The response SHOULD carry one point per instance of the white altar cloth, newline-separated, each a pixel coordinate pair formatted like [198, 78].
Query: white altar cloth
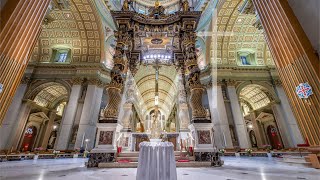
[156, 161]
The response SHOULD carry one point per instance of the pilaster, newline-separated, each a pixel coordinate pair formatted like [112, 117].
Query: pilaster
[11, 120]
[49, 128]
[240, 125]
[68, 118]
[222, 135]
[89, 116]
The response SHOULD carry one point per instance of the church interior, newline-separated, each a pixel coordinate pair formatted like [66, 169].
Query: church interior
[212, 89]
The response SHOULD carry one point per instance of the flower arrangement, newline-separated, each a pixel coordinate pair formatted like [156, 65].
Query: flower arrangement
[55, 153]
[222, 151]
[249, 151]
[267, 147]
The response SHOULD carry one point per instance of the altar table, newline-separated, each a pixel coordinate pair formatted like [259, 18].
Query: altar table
[156, 161]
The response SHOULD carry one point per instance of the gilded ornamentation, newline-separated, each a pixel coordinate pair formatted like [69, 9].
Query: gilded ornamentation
[185, 6]
[77, 81]
[193, 74]
[116, 85]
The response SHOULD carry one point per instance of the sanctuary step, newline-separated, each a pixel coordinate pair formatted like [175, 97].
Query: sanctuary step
[124, 157]
[135, 164]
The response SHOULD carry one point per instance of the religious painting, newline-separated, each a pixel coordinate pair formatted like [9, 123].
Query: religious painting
[204, 137]
[105, 137]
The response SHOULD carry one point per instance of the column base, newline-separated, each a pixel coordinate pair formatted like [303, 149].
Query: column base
[203, 136]
[100, 157]
[212, 157]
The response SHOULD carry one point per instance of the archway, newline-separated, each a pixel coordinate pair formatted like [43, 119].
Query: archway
[255, 98]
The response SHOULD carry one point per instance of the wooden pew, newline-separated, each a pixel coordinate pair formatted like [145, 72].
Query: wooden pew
[314, 157]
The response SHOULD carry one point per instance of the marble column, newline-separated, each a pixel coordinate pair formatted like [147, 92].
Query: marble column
[11, 121]
[295, 60]
[239, 123]
[48, 129]
[15, 136]
[222, 135]
[293, 131]
[89, 116]
[68, 118]
[20, 27]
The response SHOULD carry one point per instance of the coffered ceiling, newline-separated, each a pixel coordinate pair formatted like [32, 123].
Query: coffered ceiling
[244, 36]
[73, 25]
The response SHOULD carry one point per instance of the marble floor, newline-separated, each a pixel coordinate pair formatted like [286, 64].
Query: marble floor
[254, 168]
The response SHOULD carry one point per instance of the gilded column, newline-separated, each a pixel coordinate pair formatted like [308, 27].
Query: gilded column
[111, 111]
[295, 60]
[20, 27]
[193, 76]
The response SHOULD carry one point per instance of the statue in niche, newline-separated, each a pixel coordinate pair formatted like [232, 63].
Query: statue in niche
[244, 60]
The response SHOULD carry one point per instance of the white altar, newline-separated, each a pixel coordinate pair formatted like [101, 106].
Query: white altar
[156, 161]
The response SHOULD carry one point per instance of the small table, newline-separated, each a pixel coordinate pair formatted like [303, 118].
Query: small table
[156, 161]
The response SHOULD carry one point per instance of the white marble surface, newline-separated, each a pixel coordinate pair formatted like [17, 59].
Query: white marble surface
[234, 169]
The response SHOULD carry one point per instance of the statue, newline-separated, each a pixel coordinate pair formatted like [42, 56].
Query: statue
[125, 6]
[156, 11]
[185, 6]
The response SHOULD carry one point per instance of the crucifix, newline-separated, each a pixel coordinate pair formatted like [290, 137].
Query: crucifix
[156, 129]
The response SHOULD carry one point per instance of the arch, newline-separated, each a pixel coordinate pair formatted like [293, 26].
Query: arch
[256, 95]
[268, 88]
[37, 86]
[48, 94]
